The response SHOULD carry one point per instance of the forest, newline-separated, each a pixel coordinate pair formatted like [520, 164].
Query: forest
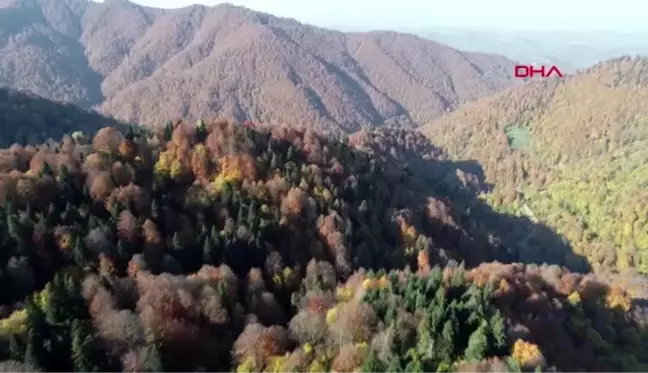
[222, 247]
[569, 153]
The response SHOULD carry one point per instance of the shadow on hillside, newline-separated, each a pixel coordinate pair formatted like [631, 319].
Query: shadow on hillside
[30, 119]
[591, 334]
[483, 234]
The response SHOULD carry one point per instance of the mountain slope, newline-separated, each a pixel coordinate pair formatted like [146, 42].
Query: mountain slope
[569, 152]
[29, 119]
[201, 61]
[218, 247]
[40, 52]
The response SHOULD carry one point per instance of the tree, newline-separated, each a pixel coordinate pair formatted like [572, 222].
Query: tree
[373, 364]
[81, 350]
[16, 347]
[477, 344]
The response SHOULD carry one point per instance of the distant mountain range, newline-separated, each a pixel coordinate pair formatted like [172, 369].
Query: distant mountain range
[150, 65]
[568, 50]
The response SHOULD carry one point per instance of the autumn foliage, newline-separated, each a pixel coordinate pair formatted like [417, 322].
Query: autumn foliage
[218, 247]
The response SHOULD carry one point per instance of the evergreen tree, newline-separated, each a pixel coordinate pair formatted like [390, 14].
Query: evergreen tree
[477, 344]
[497, 326]
[63, 174]
[55, 309]
[81, 349]
[395, 364]
[168, 131]
[372, 364]
[154, 362]
[46, 170]
[16, 348]
[80, 253]
[446, 347]
[34, 352]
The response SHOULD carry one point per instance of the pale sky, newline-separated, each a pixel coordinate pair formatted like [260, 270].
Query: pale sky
[572, 15]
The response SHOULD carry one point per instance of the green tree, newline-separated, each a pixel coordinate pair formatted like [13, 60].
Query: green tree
[477, 344]
[81, 349]
[16, 348]
[372, 363]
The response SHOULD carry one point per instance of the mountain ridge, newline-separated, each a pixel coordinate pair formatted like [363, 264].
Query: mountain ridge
[199, 61]
[571, 151]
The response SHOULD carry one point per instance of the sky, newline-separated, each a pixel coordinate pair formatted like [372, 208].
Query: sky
[567, 15]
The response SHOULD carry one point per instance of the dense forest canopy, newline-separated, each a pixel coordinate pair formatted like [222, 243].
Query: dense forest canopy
[570, 153]
[221, 247]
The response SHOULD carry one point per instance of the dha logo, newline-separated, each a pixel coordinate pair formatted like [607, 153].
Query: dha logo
[529, 71]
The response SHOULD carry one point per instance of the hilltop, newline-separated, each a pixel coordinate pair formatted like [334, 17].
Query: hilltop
[147, 65]
[570, 153]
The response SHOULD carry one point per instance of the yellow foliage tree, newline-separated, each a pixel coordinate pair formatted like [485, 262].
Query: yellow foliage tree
[618, 298]
[527, 353]
[16, 323]
[163, 165]
[275, 364]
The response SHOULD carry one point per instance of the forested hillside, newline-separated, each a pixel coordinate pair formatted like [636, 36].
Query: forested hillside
[147, 65]
[217, 247]
[570, 153]
[29, 119]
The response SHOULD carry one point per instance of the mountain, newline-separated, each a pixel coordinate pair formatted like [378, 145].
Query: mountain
[569, 51]
[148, 65]
[222, 247]
[29, 119]
[568, 152]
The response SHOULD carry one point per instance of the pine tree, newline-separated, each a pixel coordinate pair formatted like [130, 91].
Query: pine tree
[290, 156]
[13, 227]
[168, 131]
[55, 307]
[34, 351]
[207, 251]
[76, 303]
[46, 170]
[176, 242]
[425, 340]
[154, 362]
[63, 174]
[81, 348]
[498, 330]
[155, 210]
[80, 253]
[395, 365]
[16, 348]
[201, 131]
[130, 133]
[446, 347]
[37, 330]
[414, 365]
[123, 251]
[372, 364]
[477, 344]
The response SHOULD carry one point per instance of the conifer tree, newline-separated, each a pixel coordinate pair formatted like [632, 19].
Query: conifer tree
[477, 344]
[372, 364]
[81, 348]
[395, 364]
[80, 253]
[16, 348]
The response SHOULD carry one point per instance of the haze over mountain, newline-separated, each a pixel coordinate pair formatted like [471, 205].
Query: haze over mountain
[148, 65]
[568, 152]
[569, 50]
